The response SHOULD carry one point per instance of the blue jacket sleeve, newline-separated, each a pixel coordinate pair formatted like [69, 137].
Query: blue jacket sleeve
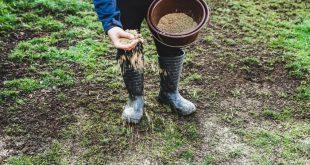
[108, 13]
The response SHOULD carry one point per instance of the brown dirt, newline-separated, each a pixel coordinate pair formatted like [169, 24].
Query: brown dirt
[41, 118]
[176, 23]
[256, 92]
[8, 68]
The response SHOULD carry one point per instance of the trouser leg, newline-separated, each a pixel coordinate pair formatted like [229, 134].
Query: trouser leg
[171, 63]
[132, 15]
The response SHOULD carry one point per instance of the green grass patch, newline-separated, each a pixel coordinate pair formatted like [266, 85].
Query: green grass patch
[296, 40]
[303, 92]
[196, 93]
[86, 51]
[14, 129]
[49, 24]
[209, 159]
[58, 77]
[39, 14]
[23, 84]
[283, 115]
[5, 93]
[172, 143]
[286, 144]
[281, 24]
[56, 154]
[8, 20]
[59, 7]
[251, 61]
[88, 21]
[193, 77]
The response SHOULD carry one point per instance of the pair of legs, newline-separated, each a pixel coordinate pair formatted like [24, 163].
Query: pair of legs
[170, 59]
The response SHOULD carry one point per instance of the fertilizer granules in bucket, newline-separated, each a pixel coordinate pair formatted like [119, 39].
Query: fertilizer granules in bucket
[133, 57]
[176, 23]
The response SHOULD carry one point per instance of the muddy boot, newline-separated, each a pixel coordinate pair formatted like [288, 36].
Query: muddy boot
[134, 83]
[171, 68]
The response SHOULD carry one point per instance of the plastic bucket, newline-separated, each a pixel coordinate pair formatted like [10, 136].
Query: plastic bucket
[197, 9]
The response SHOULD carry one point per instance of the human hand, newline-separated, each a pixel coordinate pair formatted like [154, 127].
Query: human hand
[116, 34]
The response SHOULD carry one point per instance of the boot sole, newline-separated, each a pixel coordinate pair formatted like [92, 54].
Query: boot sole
[174, 109]
[130, 120]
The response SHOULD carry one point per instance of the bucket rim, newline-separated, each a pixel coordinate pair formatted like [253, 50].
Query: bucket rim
[181, 35]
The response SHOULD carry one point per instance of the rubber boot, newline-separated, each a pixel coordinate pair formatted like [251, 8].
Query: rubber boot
[133, 79]
[171, 68]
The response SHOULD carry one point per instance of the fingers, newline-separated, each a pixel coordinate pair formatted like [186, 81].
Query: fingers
[117, 33]
[126, 47]
[124, 34]
[132, 45]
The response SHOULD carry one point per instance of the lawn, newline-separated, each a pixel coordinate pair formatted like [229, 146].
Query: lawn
[62, 94]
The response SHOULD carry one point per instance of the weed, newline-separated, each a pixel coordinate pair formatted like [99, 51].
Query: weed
[62, 97]
[251, 61]
[230, 42]
[196, 93]
[208, 39]
[193, 77]
[236, 93]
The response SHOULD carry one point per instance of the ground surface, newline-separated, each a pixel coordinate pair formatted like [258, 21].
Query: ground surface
[61, 92]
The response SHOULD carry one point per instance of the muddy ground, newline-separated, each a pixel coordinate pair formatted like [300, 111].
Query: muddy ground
[248, 108]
